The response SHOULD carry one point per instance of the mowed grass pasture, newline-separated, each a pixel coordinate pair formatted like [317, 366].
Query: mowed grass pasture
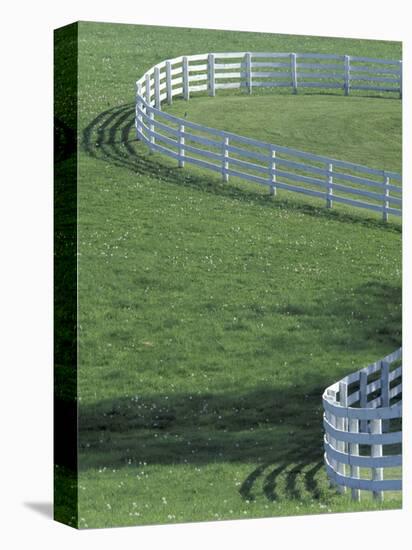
[211, 315]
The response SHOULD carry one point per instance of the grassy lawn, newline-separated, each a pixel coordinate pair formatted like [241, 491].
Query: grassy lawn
[345, 128]
[212, 316]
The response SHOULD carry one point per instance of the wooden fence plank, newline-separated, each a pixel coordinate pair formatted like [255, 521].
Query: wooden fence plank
[229, 85]
[324, 66]
[388, 461]
[370, 78]
[390, 438]
[196, 78]
[374, 70]
[375, 88]
[363, 484]
[198, 88]
[318, 56]
[270, 74]
[248, 165]
[333, 76]
[372, 60]
[270, 64]
[395, 411]
[221, 66]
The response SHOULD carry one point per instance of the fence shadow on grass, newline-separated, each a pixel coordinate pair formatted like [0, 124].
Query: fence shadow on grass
[299, 481]
[276, 431]
[110, 137]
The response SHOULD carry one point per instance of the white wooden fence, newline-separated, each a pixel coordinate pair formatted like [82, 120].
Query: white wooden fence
[363, 437]
[274, 166]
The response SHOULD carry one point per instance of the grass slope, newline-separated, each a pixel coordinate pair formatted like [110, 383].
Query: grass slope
[212, 317]
[364, 130]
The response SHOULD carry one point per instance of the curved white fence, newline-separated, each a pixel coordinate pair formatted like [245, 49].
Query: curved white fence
[363, 411]
[274, 166]
[363, 434]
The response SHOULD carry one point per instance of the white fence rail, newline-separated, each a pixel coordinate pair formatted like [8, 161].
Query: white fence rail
[363, 436]
[274, 166]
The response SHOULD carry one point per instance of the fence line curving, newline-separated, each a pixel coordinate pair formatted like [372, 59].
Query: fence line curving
[363, 435]
[274, 166]
[363, 411]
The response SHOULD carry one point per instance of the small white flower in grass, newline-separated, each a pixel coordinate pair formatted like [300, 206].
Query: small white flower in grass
[164, 500]
[108, 506]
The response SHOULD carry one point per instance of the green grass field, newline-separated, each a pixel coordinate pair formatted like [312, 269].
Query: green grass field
[213, 316]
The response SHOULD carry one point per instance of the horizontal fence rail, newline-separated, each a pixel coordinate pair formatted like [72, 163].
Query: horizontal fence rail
[363, 433]
[274, 166]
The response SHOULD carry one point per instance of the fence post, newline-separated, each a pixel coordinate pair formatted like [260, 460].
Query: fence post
[152, 130]
[272, 186]
[386, 201]
[400, 80]
[211, 74]
[148, 90]
[332, 421]
[342, 424]
[157, 87]
[248, 63]
[169, 82]
[347, 74]
[377, 473]
[151, 114]
[186, 93]
[225, 162]
[294, 73]
[181, 146]
[385, 402]
[329, 189]
[354, 451]
[363, 398]
[138, 121]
